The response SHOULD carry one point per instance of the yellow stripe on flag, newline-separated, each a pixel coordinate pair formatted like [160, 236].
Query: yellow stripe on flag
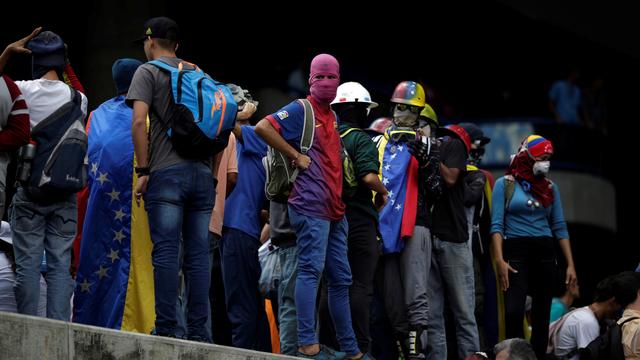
[139, 307]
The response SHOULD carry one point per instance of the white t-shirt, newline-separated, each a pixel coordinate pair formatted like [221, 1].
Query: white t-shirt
[579, 329]
[43, 97]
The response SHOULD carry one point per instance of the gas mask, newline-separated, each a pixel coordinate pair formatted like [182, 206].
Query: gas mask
[475, 156]
[404, 118]
[541, 168]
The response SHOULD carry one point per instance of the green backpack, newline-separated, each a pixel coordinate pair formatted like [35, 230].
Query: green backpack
[279, 170]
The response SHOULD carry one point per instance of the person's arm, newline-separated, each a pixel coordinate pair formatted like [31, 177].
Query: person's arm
[232, 179]
[449, 175]
[247, 111]
[16, 131]
[232, 165]
[17, 47]
[71, 78]
[140, 143]
[265, 130]
[571, 278]
[497, 231]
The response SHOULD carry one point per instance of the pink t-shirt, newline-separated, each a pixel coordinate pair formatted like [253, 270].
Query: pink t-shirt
[228, 164]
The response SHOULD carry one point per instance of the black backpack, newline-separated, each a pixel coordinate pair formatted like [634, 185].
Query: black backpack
[59, 167]
[607, 346]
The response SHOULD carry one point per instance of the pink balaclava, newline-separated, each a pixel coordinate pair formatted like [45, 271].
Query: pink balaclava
[324, 91]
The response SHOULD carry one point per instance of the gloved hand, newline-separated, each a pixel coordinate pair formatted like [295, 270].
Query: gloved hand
[420, 151]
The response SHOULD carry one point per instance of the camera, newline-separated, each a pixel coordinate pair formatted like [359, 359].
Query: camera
[25, 161]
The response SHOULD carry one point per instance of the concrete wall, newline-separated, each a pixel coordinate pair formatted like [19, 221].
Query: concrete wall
[27, 337]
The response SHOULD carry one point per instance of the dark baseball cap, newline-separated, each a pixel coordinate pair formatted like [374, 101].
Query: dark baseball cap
[160, 28]
[475, 133]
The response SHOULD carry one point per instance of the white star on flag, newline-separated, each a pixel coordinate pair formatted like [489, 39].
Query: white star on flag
[393, 156]
[385, 181]
[113, 255]
[102, 178]
[390, 193]
[94, 168]
[115, 195]
[392, 201]
[119, 214]
[387, 167]
[119, 235]
[400, 147]
[398, 207]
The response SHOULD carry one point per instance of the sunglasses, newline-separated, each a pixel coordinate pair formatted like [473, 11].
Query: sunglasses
[412, 108]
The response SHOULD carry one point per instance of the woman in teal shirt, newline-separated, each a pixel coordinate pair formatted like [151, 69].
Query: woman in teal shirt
[527, 219]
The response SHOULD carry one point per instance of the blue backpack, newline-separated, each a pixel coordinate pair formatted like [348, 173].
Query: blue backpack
[203, 109]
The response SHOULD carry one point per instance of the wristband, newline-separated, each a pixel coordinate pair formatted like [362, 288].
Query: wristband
[142, 171]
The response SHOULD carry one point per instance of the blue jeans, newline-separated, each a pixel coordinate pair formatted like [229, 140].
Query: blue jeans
[286, 300]
[245, 305]
[323, 242]
[37, 228]
[178, 201]
[451, 272]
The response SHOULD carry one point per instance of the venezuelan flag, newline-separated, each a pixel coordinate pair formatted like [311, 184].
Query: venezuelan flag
[399, 175]
[114, 283]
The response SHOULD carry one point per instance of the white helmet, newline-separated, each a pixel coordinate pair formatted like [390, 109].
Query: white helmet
[353, 92]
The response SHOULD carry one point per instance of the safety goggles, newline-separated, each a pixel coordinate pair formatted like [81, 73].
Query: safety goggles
[412, 108]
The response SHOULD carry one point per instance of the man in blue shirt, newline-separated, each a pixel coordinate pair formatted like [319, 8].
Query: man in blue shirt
[240, 243]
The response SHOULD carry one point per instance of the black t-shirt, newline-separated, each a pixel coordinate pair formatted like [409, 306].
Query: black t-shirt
[449, 217]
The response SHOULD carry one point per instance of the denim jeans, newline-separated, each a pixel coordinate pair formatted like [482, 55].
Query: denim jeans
[451, 272]
[286, 300]
[245, 305]
[179, 200]
[363, 257]
[322, 242]
[4, 163]
[37, 228]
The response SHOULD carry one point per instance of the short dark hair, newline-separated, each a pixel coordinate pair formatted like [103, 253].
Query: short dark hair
[626, 286]
[519, 349]
[605, 289]
[166, 44]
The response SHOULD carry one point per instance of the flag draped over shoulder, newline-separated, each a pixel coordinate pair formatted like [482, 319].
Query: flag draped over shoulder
[114, 284]
[399, 176]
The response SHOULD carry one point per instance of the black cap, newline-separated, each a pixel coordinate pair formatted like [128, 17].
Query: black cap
[475, 133]
[160, 28]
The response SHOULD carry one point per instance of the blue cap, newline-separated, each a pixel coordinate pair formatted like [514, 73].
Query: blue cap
[122, 72]
[47, 49]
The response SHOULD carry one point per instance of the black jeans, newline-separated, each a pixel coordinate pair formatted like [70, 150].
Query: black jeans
[220, 324]
[363, 257]
[535, 260]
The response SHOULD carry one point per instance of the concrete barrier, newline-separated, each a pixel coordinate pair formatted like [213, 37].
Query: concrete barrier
[32, 338]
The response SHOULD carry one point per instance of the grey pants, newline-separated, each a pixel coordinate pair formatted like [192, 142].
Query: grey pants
[416, 262]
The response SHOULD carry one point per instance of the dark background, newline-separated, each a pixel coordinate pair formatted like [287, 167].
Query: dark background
[479, 60]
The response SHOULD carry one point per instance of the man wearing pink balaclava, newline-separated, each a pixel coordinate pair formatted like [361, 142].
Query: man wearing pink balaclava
[316, 211]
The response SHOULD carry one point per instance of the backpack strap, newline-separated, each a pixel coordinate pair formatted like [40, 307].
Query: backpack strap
[509, 189]
[348, 131]
[308, 129]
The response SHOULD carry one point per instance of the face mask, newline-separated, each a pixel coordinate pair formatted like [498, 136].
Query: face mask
[352, 115]
[541, 168]
[324, 90]
[475, 156]
[405, 118]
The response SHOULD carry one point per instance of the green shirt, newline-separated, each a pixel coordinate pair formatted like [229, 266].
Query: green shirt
[364, 156]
